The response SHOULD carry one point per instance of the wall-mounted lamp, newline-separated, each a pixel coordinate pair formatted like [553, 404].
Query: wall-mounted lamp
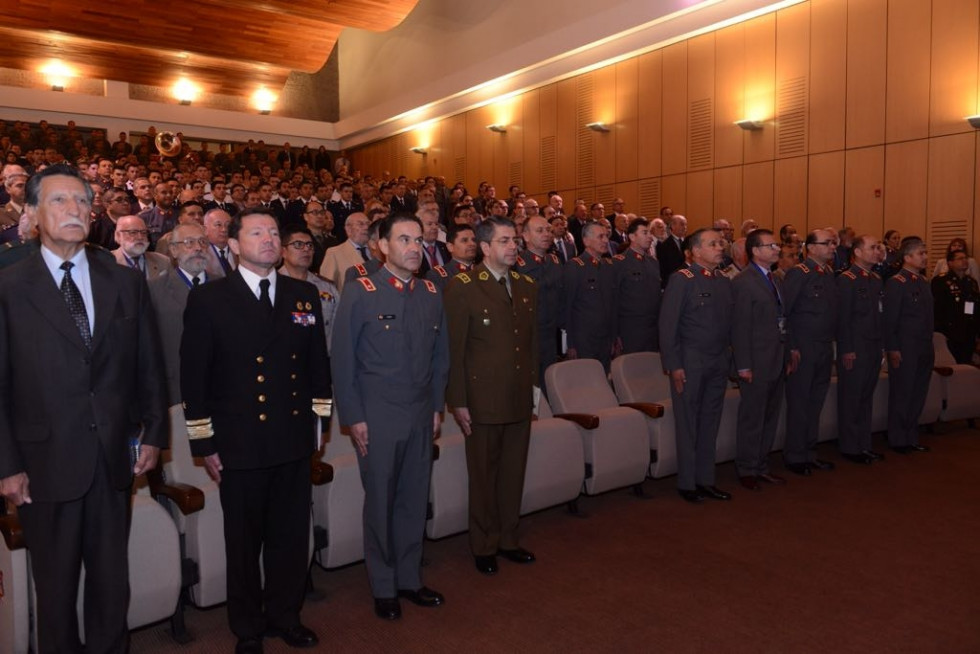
[185, 91]
[57, 74]
[418, 149]
[749, 125]
[263, 99]
[974, 121]
[598, 127]
[499, 129]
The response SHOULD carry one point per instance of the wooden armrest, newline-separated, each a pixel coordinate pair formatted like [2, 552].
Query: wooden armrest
[650, 409]
[13, 535]
[583, 420]
[943, 371]
[320, 472]
[189, 499]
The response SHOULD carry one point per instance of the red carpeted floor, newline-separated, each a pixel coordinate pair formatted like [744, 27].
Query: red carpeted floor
[883, 558]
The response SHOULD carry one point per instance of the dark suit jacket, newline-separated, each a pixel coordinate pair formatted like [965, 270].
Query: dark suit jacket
[758, 346]
[443, 251]
[670, 258]
[271, 366]
[340, 213]
[405, 204]
[62, 402]
[168, 293]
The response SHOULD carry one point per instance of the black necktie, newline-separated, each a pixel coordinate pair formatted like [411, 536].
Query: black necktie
[223, 260]
[76, 306]
[264, 298]
[503, 282]
[197, 281]
[364, 253]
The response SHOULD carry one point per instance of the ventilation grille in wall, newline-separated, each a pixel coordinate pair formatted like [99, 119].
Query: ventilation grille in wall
[459, 170]
[791, 117]
[605, 194]
[515, 174]
[585, 138]
[401, 155]
[700, 135]
[941, 232]
[585, 194]
[548, 163]
[649, 198]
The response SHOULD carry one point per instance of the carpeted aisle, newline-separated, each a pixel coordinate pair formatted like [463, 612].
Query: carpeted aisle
[883, 558]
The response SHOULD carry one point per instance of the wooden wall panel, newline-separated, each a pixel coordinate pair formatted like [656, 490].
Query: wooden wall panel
[760, 72]
[478, 160]
[825, 191]
[757, 187]
[728, 195]
[792, 79]
[529, 133]
[604, 108]
[700, 101]
[828, 72]
[630, 192]
[907, 86]
[951, 178]
[548, 116]
[674, 109]
[566, 131]
[790, 192]
[673, 193]
[729, 94]
[513, 143]
[700, 200]
[866, 47]
[649, 97]
[626, 134]
[953, 91]
[906, 183]
[864, 181]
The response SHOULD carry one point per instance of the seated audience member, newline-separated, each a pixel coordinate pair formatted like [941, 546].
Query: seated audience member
[957, 245]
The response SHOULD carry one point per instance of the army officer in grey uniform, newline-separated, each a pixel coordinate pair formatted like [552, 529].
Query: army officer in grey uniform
[590, 299]
[695, 327]
[390, 368]
[908, 324]
[637, 291]
[546, 270]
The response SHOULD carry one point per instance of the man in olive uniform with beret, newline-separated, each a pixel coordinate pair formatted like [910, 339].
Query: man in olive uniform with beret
[493, 337]
[254, 375]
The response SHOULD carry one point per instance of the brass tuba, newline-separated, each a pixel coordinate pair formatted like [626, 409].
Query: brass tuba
[168, 144]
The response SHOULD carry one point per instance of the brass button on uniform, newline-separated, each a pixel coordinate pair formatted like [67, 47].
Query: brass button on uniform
[260, 378]
[263, 417]
[293, 376]
[292, 356]
[295, 412]
[295, 393]
[259, 359]
[261, 398]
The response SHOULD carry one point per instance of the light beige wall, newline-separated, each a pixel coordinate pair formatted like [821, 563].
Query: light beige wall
[863, 102]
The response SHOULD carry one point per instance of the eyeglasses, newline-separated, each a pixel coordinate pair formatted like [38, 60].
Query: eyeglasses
[770, 246]
[191, 242]
[301, 245]
[132, 233]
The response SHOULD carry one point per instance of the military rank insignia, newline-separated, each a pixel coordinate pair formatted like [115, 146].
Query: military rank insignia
[304, 318]
[326, 297]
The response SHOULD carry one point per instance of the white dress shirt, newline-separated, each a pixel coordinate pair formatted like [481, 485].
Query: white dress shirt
[252, 280]
[79, 275]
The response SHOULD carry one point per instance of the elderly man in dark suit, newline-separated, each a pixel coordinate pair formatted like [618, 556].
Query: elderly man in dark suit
[493, 330]
[81, 380]
[259, 333]
[759, 345]
[670, 251]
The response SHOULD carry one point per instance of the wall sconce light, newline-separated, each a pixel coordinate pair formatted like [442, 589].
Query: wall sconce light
[418, 149]
[974, 121]
[499, 129]
[185, 91]
[749, 125]
[57, 74]
[263, 99]
[598, 127]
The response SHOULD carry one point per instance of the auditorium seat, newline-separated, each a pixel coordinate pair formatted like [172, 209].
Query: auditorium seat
[615, 439]
[639, 377]
[960, 383]
[555, 462]
[15, 599]
[338, 503]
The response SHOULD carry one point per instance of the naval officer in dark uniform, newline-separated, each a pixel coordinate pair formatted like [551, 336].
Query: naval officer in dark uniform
[493, 347]
[858, 350]
[810, 305]
[908, 325]
[546, 270]
[695, 338]
[957, 300]
[254, 375]
[590, 299]
[638, 291]
[390, 367]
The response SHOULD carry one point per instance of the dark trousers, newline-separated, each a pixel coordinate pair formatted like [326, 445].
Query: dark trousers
[908, 386]
[806, 391]
[758, 415]
[395, 475]
[496, 457]
[61, 536]
[855, 394]
[697, 416]
[267, 511]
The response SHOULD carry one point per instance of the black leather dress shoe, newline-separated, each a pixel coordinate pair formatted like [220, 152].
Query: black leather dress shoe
[486, 564]
[901, 449]
[821, 465]
[772, 479]
[517, 555]
[751, 483]
[713, 492]
[862, 458]
[423, 596]
[298, 636]
[918, 448]
[249, 646]
[799, 468]
[691, 496]
[387, 608]
[877, 456]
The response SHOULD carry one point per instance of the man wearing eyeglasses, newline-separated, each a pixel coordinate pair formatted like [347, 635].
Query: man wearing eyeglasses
[134, 239]
[103, 230]
[811, 317]
[320, 223]
[298, 247]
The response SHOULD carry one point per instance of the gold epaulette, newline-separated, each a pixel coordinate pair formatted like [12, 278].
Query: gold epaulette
[322, 408]
[463, 277]
[199, 429]
[529, 279]
[515, 275]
